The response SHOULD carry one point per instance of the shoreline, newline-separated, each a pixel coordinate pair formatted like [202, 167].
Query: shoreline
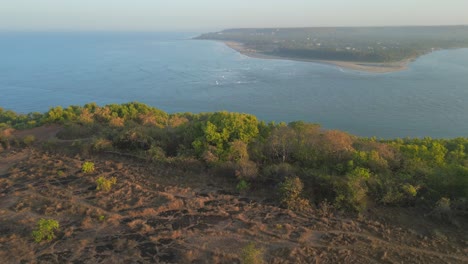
[356, 66]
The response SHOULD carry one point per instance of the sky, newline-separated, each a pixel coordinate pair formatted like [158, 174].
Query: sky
[203, 15]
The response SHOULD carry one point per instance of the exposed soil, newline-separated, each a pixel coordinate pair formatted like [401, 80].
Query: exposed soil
[40, 133]
[160, 215]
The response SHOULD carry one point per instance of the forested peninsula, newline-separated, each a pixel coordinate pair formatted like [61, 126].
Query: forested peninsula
[132, 182]
[374, 49]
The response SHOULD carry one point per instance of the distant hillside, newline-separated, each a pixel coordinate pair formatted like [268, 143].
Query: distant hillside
[351, 44]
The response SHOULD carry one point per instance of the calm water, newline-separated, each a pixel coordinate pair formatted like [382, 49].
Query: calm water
[177, 74]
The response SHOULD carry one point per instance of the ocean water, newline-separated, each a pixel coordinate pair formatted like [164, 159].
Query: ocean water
[176, 74]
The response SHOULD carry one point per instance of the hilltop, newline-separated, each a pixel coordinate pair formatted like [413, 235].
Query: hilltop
[131, 183]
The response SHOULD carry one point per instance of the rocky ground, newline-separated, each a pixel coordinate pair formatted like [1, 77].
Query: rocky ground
[156, 214]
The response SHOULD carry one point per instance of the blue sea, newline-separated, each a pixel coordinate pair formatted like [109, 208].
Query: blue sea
[177, 74]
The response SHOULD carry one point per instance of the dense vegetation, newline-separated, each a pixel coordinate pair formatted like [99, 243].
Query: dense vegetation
[304, 163]
[361, 44]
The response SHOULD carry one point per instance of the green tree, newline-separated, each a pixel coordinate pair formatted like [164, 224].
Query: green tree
[221, 129]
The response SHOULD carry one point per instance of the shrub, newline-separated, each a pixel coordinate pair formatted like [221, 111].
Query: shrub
[209, 155]
[251, 254]
[105, 184]
[246, 169]
[325, 208]
[45, 230]
[442, 208]
[351, 191]
[135, 138]
[156, 153]
[243, 186]
[291, 190]
[410, 190]
[238, 151]
[87, 167]
[278, 172]
[29, 140]
[400, 195]
[392, 196]
[101, 144]
[4, 143]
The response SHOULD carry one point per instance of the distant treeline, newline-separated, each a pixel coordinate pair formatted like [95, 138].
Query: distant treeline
[348, 171]
[360, 44]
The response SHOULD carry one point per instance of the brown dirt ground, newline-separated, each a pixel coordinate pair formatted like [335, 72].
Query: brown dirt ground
[157, 215]
[40, 133]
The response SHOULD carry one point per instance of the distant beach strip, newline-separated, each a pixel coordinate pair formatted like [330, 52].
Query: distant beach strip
[357, 66]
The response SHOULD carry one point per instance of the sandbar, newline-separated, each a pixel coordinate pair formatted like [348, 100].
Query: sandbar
[357, 66]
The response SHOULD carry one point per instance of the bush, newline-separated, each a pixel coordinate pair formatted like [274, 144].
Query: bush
[410, 190]
[101, 144]
[278, 172]
[246, 169]
[243, 186]
[442, 209]
[251, 254]
[105, 184]
[4, 143]
[351, 191]
[238, 151]
[45, 230]
[29, 140]
[156, 153]
[87, 167]
[325, 208]
[291, 190]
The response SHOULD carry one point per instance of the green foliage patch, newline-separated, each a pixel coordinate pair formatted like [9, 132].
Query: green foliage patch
[242, 186]
[251, 254]
[104, 184]
[87, 167]
[45, 230]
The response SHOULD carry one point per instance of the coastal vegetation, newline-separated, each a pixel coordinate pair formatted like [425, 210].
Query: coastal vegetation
[132, 183]
[350, 44]
[301, 161]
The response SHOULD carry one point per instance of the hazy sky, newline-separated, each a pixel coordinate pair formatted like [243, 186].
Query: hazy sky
[219, 14]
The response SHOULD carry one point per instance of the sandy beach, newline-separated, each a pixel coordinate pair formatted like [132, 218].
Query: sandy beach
[357, 66]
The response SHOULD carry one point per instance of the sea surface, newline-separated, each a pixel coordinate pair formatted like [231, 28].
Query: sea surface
[176, 74]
